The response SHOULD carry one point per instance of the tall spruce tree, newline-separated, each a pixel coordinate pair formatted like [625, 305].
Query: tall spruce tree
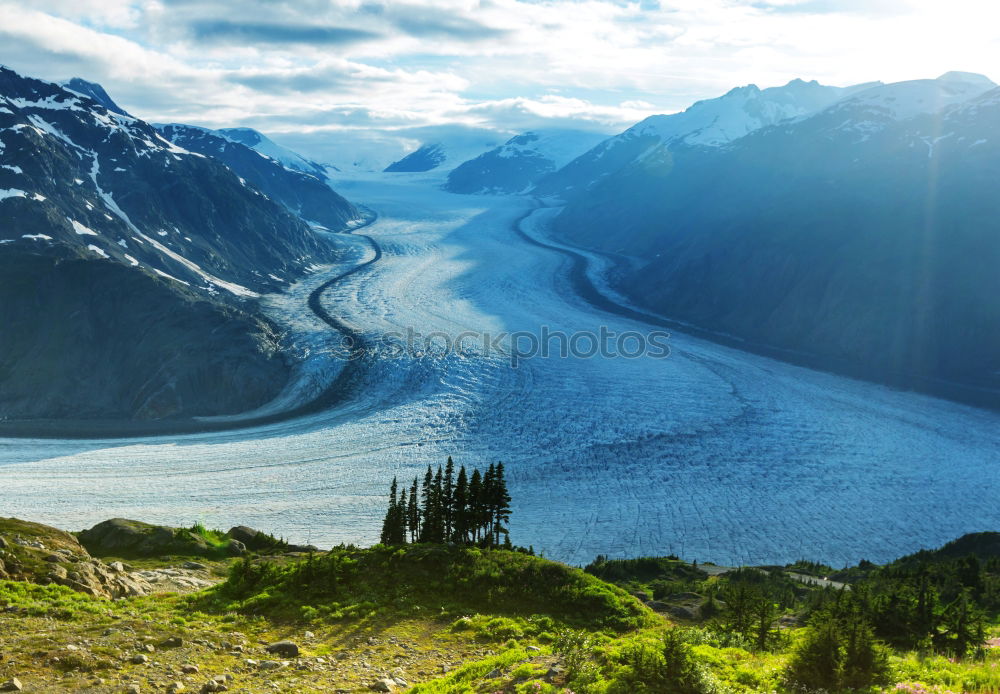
[448, 499]
[394, 525]
[475, 503]
[460, 509]
[437, 509]
[387, 522]
[489, 506]
[413, 513]
[426, 502]
[501, 503]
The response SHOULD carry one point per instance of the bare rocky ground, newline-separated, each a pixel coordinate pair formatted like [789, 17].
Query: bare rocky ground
[134, 650]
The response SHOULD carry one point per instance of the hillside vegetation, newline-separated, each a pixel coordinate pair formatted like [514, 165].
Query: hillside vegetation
[433, 618]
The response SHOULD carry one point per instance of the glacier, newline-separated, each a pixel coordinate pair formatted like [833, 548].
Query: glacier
[713, 454]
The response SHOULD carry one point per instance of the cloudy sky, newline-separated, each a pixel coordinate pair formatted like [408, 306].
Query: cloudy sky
[318, 74]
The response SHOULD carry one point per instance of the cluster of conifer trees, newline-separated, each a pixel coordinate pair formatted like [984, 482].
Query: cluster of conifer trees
[467, 509]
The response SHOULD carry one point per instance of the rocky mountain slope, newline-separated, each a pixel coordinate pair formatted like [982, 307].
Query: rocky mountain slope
[863, 235]
[131, 266]
[424, 158]
[521, 161]
[95, 92]
[305, 194]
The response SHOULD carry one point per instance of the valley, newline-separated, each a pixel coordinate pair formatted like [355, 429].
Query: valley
[713, 453]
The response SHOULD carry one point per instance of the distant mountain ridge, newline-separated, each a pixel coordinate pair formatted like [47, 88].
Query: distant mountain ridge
[516, 165]
[424, 158]
[448, 148]
[711, 123]
[863, 234]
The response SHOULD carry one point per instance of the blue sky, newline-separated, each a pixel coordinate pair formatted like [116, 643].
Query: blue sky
[320, 73]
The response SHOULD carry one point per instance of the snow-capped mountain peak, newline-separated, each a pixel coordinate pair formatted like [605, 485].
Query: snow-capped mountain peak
[515, 165]
[709, 123]
[970, 78]
[558, 146]
[715, 122]
[269, 148]
[901, 100]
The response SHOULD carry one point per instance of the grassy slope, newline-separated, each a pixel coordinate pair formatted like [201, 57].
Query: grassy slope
[418, 612]
[448, 581]
[447, 619]
[31, 560]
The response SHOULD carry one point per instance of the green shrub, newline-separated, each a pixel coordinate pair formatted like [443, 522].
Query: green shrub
[462, 624]
[838, 652]
[576, 648]
[670, 668]
[500, 629]
[444, 580]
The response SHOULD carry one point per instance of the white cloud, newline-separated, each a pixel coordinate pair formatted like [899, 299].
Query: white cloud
[379, 66]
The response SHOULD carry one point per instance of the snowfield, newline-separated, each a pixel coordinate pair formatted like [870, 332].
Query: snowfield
[712, 453]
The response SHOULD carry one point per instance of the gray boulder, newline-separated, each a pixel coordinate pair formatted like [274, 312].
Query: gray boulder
[286, 649]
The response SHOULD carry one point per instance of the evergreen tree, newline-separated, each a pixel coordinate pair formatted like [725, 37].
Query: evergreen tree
[839, 652]
[435, 528]
[475, 503]
[394, 525]
[487, 510]
[448, 500]
[426, 494]
[501, 503]
[470, 509]
[964, 628]
[386, 524]
[398, 536]
[460, 510]
[764, 614]
[413, 513]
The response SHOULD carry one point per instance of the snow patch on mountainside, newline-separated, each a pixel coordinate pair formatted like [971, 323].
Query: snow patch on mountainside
[81, 229]
[194, 267]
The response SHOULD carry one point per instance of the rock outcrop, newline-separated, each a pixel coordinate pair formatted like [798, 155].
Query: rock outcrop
[120, 537]
[42, 554]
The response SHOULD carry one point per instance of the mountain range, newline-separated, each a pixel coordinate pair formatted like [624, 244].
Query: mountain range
[860, 236]
[131, 265]
[709, 123]
[847, 228]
